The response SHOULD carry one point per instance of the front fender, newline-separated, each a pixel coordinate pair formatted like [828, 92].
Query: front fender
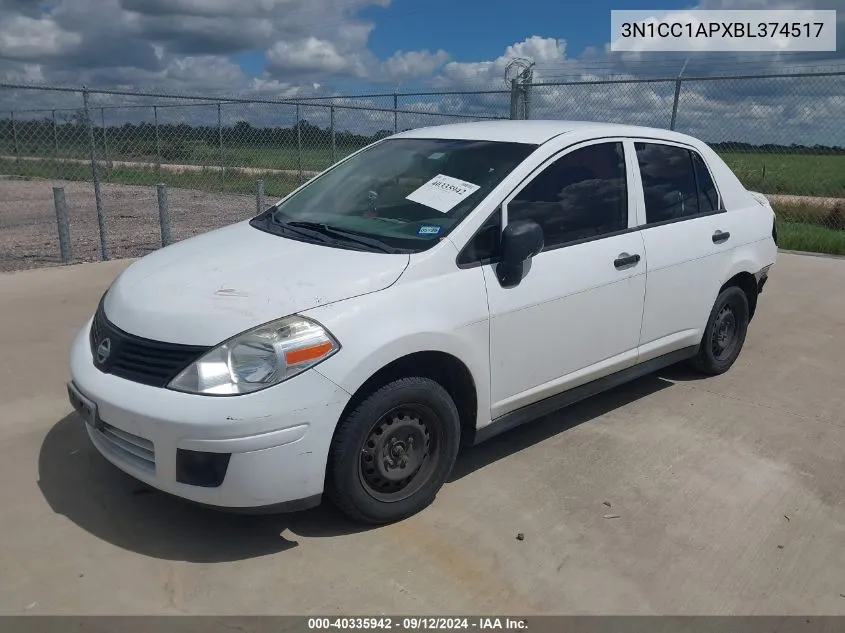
[447, 313]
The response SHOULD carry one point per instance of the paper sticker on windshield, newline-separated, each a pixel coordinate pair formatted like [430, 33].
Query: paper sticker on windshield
[428, 229]
[443, 193]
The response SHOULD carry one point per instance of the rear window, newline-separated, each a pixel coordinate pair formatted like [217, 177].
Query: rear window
[676, 183]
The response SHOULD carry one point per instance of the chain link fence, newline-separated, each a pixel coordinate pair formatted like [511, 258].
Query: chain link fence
[118, 173]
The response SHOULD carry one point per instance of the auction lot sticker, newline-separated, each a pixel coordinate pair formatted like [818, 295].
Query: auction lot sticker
[443, 193]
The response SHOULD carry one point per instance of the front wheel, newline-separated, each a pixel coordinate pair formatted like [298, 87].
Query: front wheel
[394, 452]
[725, 333]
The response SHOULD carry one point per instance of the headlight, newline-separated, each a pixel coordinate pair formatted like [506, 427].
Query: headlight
[258, 359]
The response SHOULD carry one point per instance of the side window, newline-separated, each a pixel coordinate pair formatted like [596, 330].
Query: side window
[708, 196]
[485, 243]
[583, 194]
[669, 186]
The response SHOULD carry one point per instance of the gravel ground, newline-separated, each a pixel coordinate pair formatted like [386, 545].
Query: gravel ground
[786, 199]
[29, 234]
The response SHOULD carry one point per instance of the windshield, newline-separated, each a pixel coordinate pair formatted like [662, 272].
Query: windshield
[400, 194]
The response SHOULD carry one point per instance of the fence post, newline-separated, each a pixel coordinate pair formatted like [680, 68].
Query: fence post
[259, 197]
[15, 138]
[60, 204]
[395, 113]
[514, 99]
[220, 143]
[675, 103]
[298, 144]
[331, 126]
[105, 141]
[163, 213]
[677, 95]
[95, 173]
[55, 145]
[158, 141]
[526, 95]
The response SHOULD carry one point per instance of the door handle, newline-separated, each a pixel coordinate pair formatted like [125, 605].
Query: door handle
[719, 237]
[624, 260]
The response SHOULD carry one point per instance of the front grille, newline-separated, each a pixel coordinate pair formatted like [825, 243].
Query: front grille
[138, 359]
[127, 447]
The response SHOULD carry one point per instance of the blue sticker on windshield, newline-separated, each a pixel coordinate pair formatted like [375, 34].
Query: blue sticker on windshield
[429, 229]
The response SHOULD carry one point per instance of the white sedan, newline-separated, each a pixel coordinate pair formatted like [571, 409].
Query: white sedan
[429, 291]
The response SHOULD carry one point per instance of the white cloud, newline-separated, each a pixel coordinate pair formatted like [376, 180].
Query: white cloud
[312, 55]
[538, 49]
[405, 65]
[27, 39]
[541, 50]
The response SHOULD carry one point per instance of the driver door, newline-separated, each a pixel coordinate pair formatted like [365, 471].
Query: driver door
[576, 314]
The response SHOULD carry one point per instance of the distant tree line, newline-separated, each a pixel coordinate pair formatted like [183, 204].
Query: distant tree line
[177, 141]
[772, 148]
[174, 140]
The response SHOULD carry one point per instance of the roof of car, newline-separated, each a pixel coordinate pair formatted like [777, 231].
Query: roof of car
[536, 131]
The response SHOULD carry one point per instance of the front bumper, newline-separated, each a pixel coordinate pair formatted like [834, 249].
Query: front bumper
[277, 440]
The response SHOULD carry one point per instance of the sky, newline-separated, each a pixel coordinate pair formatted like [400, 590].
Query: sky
[300, 48]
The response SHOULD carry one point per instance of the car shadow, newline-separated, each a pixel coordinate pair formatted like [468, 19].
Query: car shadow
[682, 372]
[79, 484]
[475, 457]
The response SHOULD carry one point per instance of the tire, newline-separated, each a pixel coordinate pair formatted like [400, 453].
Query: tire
[725, 333]
[392, 454]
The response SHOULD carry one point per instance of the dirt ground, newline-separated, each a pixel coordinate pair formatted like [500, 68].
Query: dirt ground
[29, 232]
[671, 495]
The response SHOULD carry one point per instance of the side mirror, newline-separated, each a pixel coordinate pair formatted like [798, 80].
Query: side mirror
[521, 240]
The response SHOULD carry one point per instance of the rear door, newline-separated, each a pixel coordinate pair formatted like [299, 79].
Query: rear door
[687, 241]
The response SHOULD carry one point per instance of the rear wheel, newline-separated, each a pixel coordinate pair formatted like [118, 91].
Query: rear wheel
[725, 333]
[394, 452]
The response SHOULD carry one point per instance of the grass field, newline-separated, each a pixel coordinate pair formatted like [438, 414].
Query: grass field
[811, 238]
[275, 185]
[810, 228]
[796, 174]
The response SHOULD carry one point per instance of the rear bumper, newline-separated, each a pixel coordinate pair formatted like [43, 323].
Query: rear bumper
[762, 276]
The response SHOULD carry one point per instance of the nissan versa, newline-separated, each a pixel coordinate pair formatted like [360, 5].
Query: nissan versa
[429, 291]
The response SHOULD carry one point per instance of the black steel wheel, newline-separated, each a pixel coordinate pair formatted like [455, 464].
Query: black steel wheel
[724, 335]
[392, 454]
[400, 452]
[725, 332]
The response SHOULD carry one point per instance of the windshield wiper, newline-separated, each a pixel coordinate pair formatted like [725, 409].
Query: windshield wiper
[343, 234]
[283, 227]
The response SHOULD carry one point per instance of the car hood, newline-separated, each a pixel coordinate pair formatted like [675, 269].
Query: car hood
[209, 288]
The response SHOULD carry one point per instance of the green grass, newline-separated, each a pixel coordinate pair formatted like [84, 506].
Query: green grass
[313, 159]
[810, 228]
[795, 174]
[287, 158]
[275, 185]
[810, 238]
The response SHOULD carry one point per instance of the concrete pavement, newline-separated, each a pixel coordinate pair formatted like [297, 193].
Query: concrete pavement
[728, 491]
